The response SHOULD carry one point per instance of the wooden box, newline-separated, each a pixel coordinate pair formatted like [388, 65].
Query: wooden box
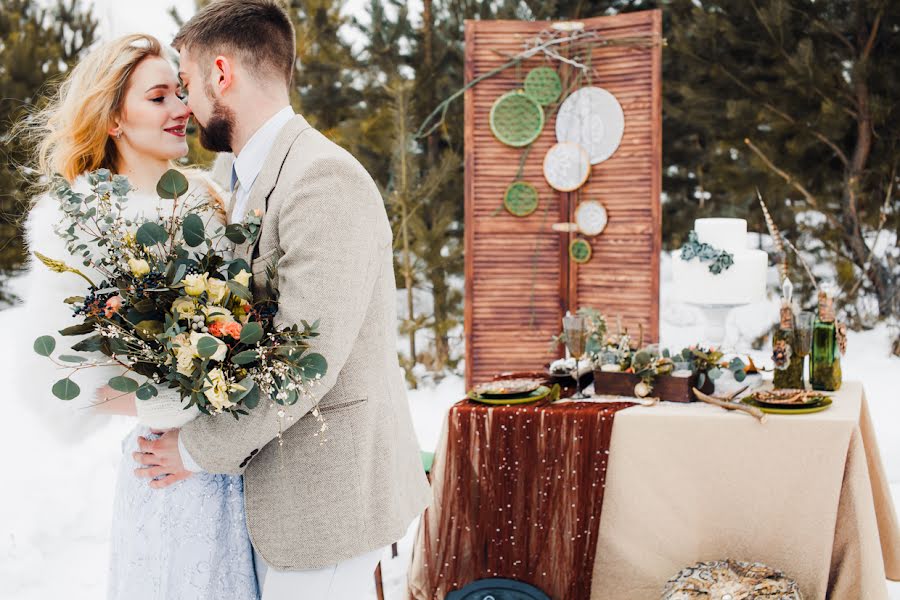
[665, 387]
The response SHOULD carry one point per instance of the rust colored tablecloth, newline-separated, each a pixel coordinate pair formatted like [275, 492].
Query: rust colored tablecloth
[806, 494]
[517, 493]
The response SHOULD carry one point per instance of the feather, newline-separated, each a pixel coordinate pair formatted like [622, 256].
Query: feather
[776, 238]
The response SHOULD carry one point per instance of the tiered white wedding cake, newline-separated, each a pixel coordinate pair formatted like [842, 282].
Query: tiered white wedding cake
[716, 267]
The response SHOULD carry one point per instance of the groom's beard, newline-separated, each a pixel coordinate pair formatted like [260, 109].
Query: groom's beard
[216, 136]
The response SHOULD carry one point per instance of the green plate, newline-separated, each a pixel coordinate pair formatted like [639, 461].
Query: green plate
[825, 403]
[538, 394]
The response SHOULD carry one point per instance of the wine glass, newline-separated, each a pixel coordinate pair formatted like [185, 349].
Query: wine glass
[575, 329]
[804, 334]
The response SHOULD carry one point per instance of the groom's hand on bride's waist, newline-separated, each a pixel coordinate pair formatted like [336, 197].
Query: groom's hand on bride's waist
[160, 460]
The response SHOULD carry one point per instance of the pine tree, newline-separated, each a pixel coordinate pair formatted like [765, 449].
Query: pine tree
[38, 44]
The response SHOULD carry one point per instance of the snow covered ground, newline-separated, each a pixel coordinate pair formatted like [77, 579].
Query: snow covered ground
[57, 490]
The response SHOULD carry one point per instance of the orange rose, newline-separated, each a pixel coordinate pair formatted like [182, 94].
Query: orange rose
[113, 304]
[217, 329]
[233, 329]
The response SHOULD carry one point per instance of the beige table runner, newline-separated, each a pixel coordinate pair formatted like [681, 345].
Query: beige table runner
[805, 494]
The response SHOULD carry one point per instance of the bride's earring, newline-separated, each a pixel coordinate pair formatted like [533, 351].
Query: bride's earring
[118, 135]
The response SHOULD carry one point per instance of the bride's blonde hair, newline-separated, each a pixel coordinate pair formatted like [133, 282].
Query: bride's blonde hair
[71, 132]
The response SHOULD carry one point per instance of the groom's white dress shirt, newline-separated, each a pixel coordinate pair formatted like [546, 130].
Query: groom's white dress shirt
[349, 579]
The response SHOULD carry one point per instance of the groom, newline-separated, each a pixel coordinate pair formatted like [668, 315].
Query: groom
[319, 508]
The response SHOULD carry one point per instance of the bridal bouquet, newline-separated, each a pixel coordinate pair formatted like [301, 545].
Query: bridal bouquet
[172, 308]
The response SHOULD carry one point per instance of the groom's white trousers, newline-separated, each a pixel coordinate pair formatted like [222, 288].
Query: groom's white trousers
[350, 579]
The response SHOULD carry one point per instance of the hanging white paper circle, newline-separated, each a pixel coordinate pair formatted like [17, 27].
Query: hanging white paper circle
[591, 217]
[592, 117]
[566, 167]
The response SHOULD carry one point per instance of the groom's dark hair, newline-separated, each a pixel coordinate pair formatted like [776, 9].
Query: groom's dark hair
[260, 32]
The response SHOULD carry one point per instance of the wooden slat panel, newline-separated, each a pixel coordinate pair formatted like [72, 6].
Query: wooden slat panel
[519, 279]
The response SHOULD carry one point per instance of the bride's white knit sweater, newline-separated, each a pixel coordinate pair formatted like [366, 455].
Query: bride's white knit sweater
[45, 313]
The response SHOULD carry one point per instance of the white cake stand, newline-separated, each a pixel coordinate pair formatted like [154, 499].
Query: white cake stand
[716, 321]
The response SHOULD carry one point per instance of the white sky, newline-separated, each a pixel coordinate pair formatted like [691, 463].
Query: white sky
[118, 17]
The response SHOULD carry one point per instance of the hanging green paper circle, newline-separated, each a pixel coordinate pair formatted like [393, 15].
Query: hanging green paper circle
[580, 250]
[520, 199]
[542, 85]
[516, 120]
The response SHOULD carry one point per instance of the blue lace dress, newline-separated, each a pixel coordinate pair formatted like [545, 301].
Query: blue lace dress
[188, 541]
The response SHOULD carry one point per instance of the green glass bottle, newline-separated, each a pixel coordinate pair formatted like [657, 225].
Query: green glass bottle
[785, 355]
[825, 360]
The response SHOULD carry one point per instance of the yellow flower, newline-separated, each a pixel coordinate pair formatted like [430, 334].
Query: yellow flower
[129, 240]
[195, 285]
[184, 308]
[217, 290]
[243, 278]
[217, 390]
[139, 267]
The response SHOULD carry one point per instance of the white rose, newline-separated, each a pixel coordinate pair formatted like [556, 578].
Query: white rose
[184, 355]
[217, 390]
[217, 313]
[217, 290]
[221, 348]
[195, 285]
[243, 278]
[139, 267]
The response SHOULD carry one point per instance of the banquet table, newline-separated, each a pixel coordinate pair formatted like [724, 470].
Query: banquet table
[806, 494]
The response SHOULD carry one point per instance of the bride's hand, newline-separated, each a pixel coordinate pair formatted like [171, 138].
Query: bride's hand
[161, 458]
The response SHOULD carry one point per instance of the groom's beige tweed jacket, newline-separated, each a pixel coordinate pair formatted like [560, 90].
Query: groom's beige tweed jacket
[317, 500]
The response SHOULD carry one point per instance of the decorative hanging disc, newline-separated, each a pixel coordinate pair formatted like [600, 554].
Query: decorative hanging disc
[521, 198]
[566, 166]
[591, 217]
[592, 117]
[580, 250]
[516, 119]
[542, 85]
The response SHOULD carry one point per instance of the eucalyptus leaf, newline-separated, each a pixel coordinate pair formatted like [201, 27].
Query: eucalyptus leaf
[207, 346]
[150, 234]
[313, 365]
[172, 185]
[124, 384]
[66, 389]
[714, 374]
[180, 272]
[71, 358]
[80, 329]
[146, 391]
[193, 230]
[740, 375]
[251, 399]
[245, 358]
[236, 266]
[251, 333]
[45, 345]
[235, 233]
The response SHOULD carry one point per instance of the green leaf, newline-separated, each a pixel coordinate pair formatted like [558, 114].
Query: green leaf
[235, 233]
[207, 346]
[144, 306]
[150, 234]
[149, 329]
[71, 358]
[45, 345]
[180, 271]
[171, 185]
[146, 391]
[251, 333]
[239, 290]
[701, 380]
[80, 329]
[740, 375]
[236, 266]
[251, 400]
[312, 365]
[714, 374]
[245, 358]
[74, 299]
[66, 389]
[91, 344]
[124, 384]
[194, 233]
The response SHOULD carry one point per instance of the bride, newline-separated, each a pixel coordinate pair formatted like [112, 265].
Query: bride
[120, 109]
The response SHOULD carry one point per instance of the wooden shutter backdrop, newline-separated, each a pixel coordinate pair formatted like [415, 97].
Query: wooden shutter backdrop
[622, 277]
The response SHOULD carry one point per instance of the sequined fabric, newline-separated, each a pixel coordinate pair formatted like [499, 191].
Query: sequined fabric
[188, 541]
[518, 492]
